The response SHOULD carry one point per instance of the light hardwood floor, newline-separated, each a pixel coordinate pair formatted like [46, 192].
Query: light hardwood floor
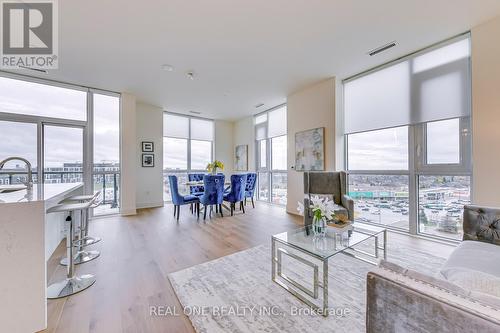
[138, 252]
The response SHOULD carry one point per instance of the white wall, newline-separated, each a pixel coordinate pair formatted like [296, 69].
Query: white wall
[486, 113]
[244, 134]
[128, 154]
[149, 127]
[224, 146]
[309, 108]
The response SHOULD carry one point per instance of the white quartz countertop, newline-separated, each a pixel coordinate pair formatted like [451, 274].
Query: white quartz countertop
[47, 192]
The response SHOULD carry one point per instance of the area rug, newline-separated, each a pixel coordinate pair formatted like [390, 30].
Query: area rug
[236, 294]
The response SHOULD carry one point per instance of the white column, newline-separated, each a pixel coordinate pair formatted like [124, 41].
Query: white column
[129, 156]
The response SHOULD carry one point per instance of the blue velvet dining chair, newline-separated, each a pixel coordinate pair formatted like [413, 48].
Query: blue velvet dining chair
[177, 199]
[237, 192]
[195, 190]
[196, 177]
[250, 187]
[212, 195]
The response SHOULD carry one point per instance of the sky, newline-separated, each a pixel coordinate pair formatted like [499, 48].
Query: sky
[62, 144]
[388, 149]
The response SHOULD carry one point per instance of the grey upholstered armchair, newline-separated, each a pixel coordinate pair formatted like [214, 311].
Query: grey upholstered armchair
[482, 224]
[332, 184]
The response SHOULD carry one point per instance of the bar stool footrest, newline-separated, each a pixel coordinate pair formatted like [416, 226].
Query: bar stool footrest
[87, 241]
[81, 257]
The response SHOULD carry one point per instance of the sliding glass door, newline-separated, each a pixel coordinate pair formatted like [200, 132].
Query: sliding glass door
[68, 133]
[63, 154]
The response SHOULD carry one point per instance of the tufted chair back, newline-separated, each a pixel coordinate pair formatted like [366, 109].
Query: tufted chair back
[177, 199]
[238, 185]
[251, 181]
[214, 190]
[196, 177]
[482, 224]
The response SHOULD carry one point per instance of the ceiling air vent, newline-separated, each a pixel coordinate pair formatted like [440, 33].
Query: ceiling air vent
[259, 105]
[381, 48]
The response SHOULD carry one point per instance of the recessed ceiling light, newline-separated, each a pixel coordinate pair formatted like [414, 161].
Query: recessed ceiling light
[381, 48]
[259, 105]
[168, 68]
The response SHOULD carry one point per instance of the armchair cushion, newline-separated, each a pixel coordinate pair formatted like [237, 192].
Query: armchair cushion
[324, 183]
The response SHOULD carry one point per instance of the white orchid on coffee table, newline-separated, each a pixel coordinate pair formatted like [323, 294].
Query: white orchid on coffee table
[323, 210]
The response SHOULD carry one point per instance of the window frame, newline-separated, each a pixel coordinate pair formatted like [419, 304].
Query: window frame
[87, 125]
[188, 142]
[417, 167]
[268, 169]
[417, 145]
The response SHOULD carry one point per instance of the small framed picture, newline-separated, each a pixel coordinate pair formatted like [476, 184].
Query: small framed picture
[148, 147]
[148, 160]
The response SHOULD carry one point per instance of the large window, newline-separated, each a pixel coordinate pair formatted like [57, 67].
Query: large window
[106, 168]
[53, 123]
[271, 143]
[187, 147]
[38, 99]
[408, 141]
[18, 139]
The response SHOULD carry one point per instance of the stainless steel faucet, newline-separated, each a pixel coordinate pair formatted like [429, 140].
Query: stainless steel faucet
[29, 183]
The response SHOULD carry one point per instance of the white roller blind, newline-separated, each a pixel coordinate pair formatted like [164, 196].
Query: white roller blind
[260, 132]
[277, 122]
[431, 85]
[202, 129]
[175, 126]
[378, 100]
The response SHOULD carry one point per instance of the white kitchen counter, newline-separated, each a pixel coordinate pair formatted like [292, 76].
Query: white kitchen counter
[28, 236]
[46, 193]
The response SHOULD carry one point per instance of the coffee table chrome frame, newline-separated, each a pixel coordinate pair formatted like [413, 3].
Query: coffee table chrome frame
[282, 279]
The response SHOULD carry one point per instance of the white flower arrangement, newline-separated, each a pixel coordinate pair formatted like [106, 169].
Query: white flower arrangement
[322, 208]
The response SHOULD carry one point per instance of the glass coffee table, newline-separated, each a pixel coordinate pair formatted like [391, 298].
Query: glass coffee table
[320, 249]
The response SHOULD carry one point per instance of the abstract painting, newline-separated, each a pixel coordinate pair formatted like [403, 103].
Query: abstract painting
[241, 158]
[310, 150]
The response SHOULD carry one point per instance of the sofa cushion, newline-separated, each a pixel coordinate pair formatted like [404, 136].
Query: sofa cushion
[475, 281]
[473, 255]
[424, 278]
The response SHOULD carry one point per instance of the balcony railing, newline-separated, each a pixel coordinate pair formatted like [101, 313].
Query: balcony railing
[105, 181]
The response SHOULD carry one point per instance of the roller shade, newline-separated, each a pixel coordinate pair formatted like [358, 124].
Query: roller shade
[431, 85]
[202, 129]
[175, 126]
[277, 122]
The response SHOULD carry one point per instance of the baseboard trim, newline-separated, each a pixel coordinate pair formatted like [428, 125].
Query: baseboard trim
[127, 212]
[150, 205]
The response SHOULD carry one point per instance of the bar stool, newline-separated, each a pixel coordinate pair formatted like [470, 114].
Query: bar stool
[73, 283]
[86, 239]
[83, 240]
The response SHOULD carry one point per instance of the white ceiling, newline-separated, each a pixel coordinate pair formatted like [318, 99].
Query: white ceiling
[243, 51]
